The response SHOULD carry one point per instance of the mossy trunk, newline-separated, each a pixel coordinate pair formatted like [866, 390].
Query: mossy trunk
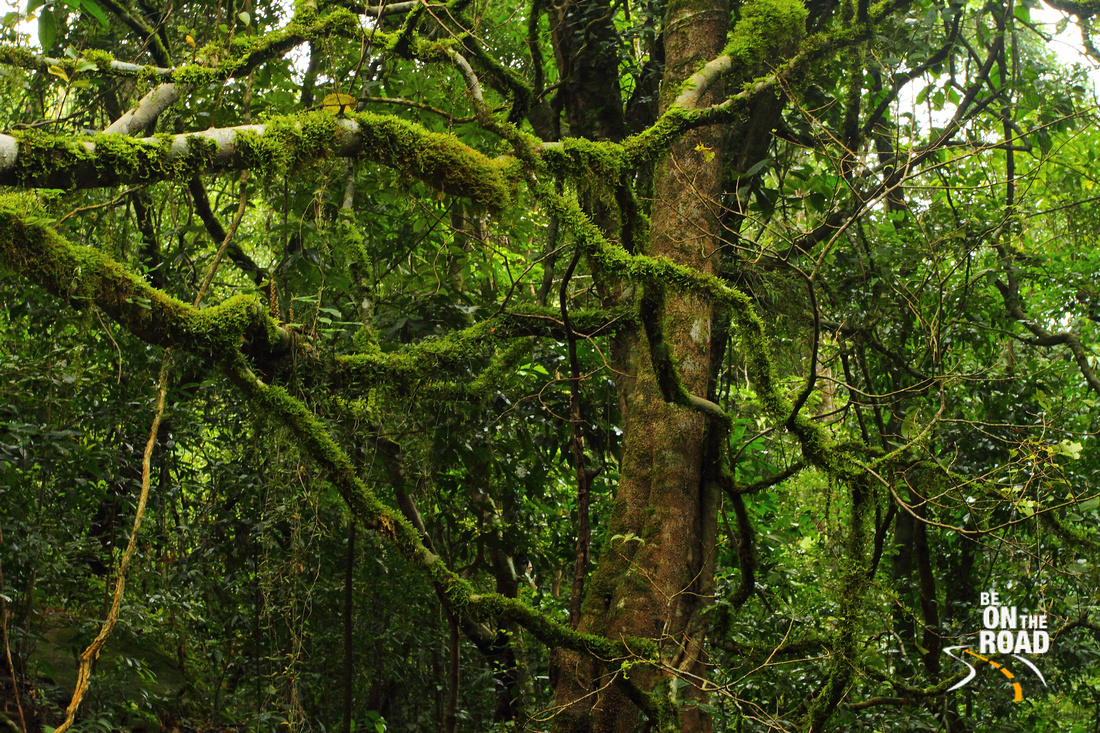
[655, 583]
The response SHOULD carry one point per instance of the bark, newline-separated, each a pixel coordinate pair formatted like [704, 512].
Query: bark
[654, 586]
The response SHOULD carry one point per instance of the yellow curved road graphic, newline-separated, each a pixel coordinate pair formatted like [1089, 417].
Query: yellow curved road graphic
[1004, 670]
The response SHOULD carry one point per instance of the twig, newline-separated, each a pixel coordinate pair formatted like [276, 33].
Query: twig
[7, 646]
[89, 655]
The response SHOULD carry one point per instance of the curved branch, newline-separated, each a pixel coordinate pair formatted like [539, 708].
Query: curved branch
[82, 276]
[1043, 337]
[147, 110]
[31, 160]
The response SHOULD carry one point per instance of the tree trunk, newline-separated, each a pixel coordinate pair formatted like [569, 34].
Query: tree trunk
[654, 583]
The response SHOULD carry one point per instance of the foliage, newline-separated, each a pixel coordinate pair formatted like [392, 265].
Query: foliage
[450, 325]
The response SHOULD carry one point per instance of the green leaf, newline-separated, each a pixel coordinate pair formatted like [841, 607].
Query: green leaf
[1068, 448]
[1042, 399]
[47, 30]
[89, 7]
[245, 18]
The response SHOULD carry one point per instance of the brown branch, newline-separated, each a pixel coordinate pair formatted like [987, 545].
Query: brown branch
[1043, 337]
[217, 233]
[584, 478]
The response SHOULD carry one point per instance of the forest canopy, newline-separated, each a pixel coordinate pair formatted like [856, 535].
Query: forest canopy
[574, 365]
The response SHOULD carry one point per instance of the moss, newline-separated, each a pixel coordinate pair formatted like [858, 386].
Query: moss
[195, 75]
[19, 56]
[59, 162]
[657, 139]
[83, 276]
[767, 31]
[442, 161]
[102, 59]
[199, 156]
[127, 157]
[41, 155]
[429, 361]
[577, 157]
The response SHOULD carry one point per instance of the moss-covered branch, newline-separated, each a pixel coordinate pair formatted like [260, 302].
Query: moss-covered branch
[32, 159]
[767, 31]
[216, 63]
[316, 440]
[83, 276]
[457, 353]
[92, 62]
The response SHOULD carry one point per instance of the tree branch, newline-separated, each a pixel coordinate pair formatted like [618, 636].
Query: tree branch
[33, 160]
[151, 105]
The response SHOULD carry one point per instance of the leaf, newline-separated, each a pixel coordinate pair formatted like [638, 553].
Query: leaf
[58, 72]
[89, 7]
[189, 40]
[245, 18]
[47, 30]
[336, 104]
[756, 168]
[1043, 400]
[1069, 448]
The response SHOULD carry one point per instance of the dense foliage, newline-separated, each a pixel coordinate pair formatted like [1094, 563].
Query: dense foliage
[582, 366]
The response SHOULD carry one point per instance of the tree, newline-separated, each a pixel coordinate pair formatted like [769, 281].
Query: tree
[680, 378]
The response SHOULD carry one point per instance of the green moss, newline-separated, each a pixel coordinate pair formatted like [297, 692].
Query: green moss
[18, 56]
[83, 276]
[127, 157]
[657, 139]
[61, 162]
[198, 158]
[195, 75]
[101, 59]
[442, 161]
[579, 158]
[767, 31]
[41, 155]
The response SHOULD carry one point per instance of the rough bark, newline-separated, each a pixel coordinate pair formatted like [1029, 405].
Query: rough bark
[655, 585]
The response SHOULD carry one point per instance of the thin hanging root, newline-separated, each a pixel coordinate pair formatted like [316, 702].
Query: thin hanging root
[89, 655]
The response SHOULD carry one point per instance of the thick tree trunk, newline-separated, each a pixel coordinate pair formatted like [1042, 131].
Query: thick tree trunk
[655, 585]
